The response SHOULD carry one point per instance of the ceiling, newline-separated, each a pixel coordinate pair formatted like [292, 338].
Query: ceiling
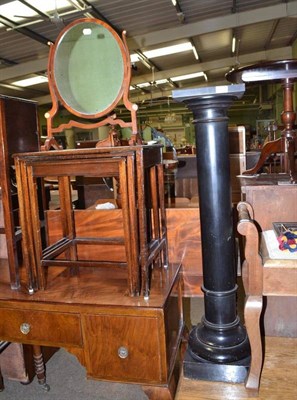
[264, 30]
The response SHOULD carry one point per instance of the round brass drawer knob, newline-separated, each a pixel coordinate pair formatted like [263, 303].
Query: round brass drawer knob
[123, 352]
[25, 328]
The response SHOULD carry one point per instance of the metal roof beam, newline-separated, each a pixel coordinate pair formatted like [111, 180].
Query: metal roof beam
[280, 53]
[234, 20]
[30, 67]
[24, 31]
[43, 15]
[283, 53]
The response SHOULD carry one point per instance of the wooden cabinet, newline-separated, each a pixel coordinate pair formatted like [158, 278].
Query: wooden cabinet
[18, 133]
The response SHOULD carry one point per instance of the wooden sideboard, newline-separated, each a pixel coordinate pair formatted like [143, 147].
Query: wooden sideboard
[115, 336]
[274, 201]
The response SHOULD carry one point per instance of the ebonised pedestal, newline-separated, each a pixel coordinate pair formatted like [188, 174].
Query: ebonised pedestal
[219, 340]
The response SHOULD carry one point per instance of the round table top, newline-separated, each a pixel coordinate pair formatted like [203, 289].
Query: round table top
[267, 71]
[170, 164]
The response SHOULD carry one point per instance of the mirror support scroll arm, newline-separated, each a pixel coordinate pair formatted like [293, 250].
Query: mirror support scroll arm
[50, 141]
[135, 137]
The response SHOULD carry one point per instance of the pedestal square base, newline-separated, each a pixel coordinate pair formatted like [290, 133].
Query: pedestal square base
[208, 371]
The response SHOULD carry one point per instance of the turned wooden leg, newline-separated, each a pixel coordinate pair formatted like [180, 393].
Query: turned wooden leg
[39, 367]
[252, 313]
[160, 171]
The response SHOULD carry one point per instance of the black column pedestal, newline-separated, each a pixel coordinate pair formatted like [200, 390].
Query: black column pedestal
[218, 347]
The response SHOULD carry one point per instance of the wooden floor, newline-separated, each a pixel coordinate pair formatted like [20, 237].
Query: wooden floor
[279, 378]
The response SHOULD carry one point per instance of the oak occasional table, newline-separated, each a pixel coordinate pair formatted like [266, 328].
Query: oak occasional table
[266, 274]
[273, 199]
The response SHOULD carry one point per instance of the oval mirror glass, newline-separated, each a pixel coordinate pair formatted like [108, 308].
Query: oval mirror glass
[88, 68]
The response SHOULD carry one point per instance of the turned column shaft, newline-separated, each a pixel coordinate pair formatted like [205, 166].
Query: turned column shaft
[216, 215]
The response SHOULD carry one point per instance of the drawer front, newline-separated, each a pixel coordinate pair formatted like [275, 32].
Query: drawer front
[40, 327]
[124, 348]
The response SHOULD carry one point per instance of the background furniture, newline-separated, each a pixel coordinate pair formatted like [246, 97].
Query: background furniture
[237, 156]
[185, 183]
[284, 71]
[274, 200]
[262, 276]
[18, 133]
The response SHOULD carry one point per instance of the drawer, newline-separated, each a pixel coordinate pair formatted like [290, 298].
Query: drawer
[40, 327]
[124, 348]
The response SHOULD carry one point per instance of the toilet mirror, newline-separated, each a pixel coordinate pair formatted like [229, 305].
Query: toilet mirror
[88, 68]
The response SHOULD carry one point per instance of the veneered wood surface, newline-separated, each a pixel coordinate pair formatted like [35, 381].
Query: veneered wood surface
[183, 232]
[184, 238]
[59, 328]
[94, 287]
[138, 335]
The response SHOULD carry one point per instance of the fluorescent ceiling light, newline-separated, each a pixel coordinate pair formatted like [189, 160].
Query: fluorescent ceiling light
[174, 2]
[49, 5]
[165, 51]
[144, 84]
[161, 81]
[31, 81]
[233, 44]
[195, 52]
[7, 86]
[10, 10]
[188, 76]
[134, 57]
[176, 78]
[15, 10]
[158, 82]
